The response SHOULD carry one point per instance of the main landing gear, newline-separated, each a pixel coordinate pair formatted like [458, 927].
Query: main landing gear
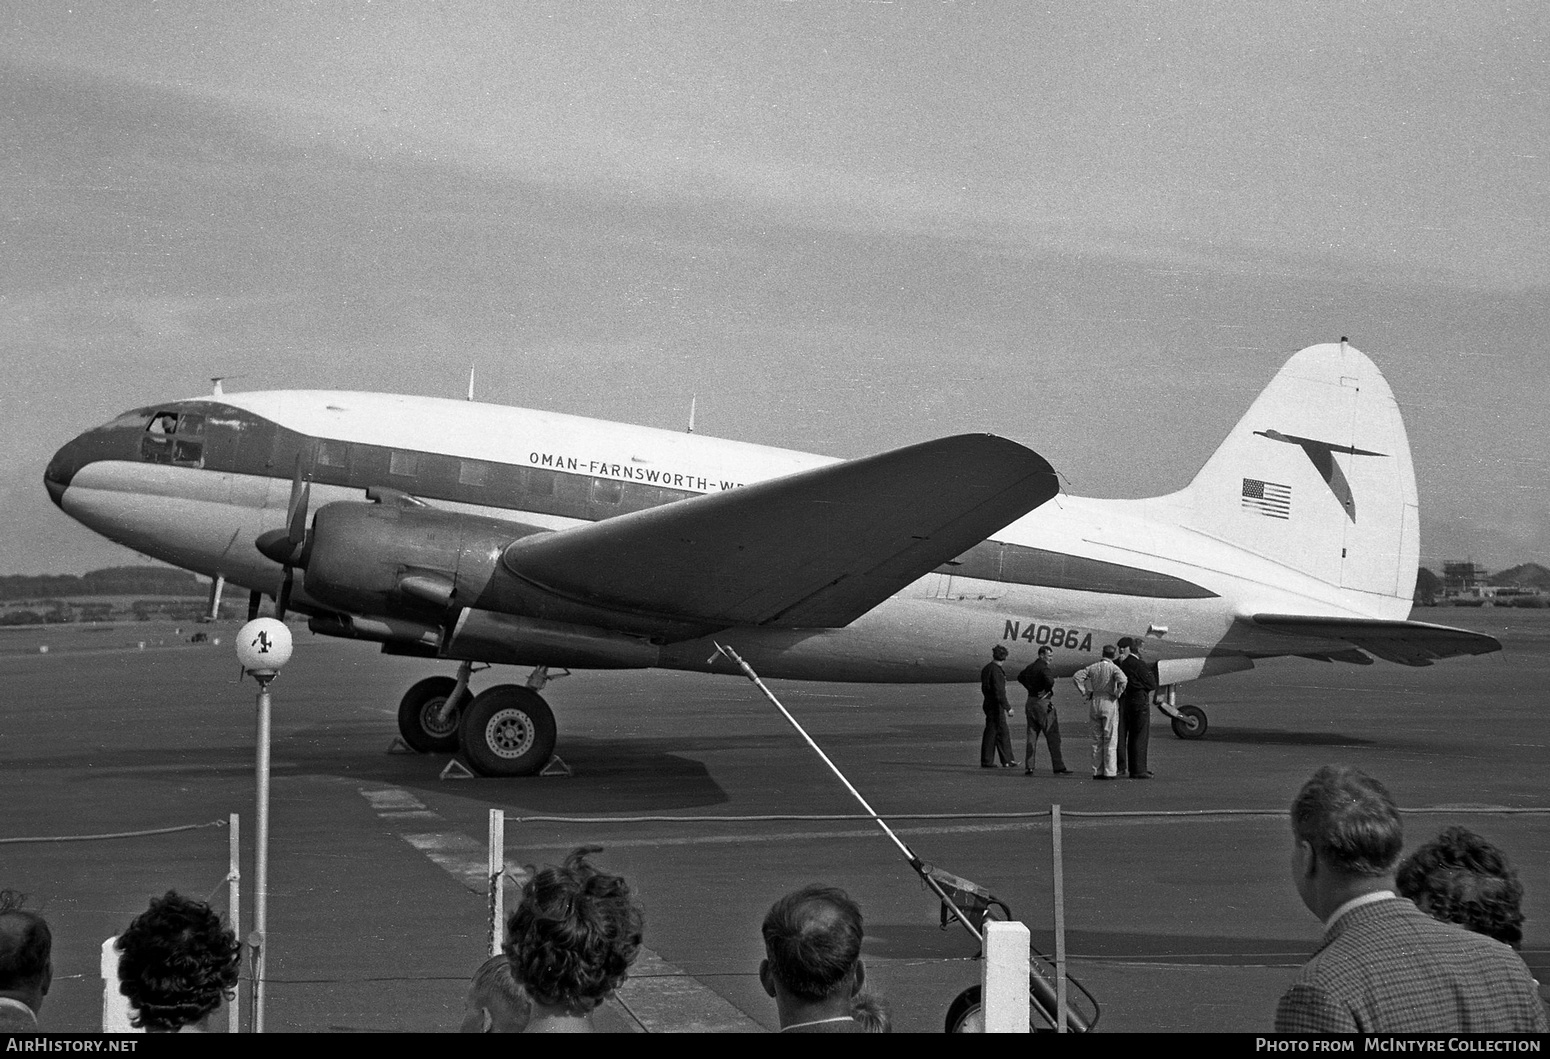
[507, 730]
[1189, 722]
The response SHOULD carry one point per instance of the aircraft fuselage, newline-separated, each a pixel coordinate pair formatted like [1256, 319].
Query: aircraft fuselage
[195, 482]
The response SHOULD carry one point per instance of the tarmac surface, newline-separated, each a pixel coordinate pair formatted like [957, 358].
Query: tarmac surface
[1179, 913]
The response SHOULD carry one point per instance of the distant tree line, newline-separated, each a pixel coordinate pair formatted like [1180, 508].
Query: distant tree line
[114, 581]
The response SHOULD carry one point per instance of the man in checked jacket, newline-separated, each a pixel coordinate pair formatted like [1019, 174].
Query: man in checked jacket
[1385, 966]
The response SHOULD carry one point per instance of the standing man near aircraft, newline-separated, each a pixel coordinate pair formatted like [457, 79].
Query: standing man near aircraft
[1135, 709]
[1040, 683]
[997, 739]
[1101, 684]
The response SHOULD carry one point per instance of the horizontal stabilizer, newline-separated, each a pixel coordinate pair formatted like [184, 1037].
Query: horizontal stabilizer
[1409, 643]
[816, 549]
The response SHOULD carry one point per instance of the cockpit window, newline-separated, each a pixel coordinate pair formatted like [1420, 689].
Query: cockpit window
[173, 438]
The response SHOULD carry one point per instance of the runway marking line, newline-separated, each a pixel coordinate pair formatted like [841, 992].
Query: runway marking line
[663, 998]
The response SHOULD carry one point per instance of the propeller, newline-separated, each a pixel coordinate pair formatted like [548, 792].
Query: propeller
[288, 546]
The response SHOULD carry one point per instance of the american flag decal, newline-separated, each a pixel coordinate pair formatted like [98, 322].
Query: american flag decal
[1268, 498]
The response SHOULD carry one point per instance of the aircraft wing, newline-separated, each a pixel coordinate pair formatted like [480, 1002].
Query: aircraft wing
[816, 549]
[1409, 643]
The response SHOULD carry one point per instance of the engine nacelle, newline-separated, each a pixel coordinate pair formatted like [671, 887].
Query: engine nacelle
[402, 558]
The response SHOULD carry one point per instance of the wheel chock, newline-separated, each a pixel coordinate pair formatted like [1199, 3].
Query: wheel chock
[398, 746]
[456, 770]
[556, 767]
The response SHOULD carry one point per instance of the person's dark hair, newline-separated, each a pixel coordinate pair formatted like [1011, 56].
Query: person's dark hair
[25, 943]
[813, 940]
[574, 934]
[1046, 650]
[1126, 642]
[1350, 820]
[177, 962]
[1459, 877]
[1108, 650]
[999, 651]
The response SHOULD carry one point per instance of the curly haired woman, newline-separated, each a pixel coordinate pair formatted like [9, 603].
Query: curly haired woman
[1459, 877]
[571, 941]
[177, 964]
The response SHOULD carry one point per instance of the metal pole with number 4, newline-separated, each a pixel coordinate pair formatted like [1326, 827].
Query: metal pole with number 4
[263, 647]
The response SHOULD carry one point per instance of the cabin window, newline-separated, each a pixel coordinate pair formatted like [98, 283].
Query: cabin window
[606, 491]
[473, 472]
[540, 483]
[639, 497]
[404, 463]
[163, 423]
[334, 453]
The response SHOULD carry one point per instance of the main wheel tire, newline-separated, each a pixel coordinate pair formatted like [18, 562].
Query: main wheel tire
[423, 719]
[1191, 722]
[507, 730]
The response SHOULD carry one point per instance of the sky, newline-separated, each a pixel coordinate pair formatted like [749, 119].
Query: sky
[837, 226]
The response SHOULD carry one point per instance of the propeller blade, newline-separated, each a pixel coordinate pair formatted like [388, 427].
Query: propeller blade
[296, 512]
[254, 599]
[283, 602]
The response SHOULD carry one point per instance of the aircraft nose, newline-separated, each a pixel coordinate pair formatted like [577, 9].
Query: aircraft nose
[61, 469]
[96, 444]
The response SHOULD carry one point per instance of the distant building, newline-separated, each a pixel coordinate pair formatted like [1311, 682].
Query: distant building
[1464, 579]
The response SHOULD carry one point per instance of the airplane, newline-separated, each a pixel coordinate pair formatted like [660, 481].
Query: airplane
[481, 534]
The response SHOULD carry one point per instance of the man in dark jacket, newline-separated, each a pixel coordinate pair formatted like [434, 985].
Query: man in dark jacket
[1135, 709]
[996, 739]
[1040, 683]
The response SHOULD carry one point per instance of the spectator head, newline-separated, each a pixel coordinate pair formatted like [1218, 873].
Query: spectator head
[496, 1003]
[812, 945]
[998, 652]
[26, 945]
[1108, 650]
[1125, 643]
[176, 963]
[1459, 877]
[1346, 837]
[1046, 651]
[574, 935]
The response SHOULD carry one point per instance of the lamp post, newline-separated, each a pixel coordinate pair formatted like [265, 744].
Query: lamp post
[263, 647]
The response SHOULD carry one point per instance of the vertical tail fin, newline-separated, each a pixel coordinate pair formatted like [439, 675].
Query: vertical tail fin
[1317, 476]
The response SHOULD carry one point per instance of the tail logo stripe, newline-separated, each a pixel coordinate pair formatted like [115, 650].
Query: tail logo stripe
[1322, 455]
[1268, 498]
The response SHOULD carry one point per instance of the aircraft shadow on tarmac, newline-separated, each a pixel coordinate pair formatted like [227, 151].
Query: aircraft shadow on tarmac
[608, 776]
[1278, 737]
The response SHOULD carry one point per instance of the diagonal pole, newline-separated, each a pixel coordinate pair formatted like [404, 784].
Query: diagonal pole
[915, 861]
